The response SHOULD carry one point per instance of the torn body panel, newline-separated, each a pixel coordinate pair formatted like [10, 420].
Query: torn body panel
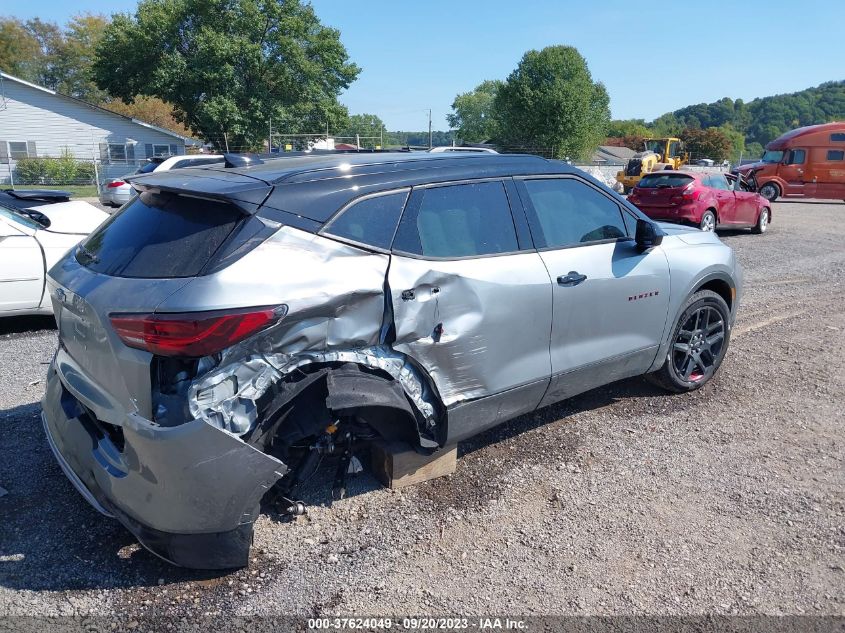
[477, 326]
[227, 396]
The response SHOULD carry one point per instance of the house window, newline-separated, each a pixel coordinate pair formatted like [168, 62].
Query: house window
[161, 150]
[17, 150]
[117, 152]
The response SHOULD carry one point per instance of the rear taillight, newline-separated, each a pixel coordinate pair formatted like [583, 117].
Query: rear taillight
[688, 194]
[115, 184]
[193, 334]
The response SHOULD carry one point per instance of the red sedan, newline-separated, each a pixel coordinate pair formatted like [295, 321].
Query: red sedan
[706, 200]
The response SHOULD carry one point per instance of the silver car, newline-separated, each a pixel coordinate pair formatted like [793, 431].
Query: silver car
[232, 326]
[116, 192]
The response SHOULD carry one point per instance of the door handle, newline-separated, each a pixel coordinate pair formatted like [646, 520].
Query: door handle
[572, 278]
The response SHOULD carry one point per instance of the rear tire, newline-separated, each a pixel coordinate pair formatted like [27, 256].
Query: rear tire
[770, 191]
[699, 341]
[708, 221]
[762, 221]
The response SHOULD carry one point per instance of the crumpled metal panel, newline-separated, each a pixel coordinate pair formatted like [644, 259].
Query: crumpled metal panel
[225, 397]
[476, 326]
[334, 293]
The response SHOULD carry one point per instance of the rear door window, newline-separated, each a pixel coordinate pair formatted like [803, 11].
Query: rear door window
[159, 236]
[459, 221]
[372, 221]
[567, 212]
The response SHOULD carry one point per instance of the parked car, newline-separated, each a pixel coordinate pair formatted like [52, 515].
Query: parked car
[708, 201]
[116, 192]
[807, 162]
[37, 227]
[231, 327]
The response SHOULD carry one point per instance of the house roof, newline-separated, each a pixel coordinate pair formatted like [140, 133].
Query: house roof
[186, 139]
[612, 154]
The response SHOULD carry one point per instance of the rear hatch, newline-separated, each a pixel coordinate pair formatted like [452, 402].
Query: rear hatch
[130, 265]
[661, 190]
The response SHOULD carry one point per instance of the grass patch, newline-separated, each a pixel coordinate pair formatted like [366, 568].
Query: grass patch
[78, 191]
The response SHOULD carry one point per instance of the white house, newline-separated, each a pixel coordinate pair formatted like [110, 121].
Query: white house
[36, 122]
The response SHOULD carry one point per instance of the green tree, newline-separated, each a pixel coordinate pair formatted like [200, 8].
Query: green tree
[19, 51]
[229, 66]
[708, 143]
[753, 150]
[473, 116]
[364, 125]
[30, 49]
[620, 128]
[74, 57]
[551, 101]
[737, 141]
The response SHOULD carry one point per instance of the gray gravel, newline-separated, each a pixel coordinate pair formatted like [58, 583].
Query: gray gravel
[624, 500]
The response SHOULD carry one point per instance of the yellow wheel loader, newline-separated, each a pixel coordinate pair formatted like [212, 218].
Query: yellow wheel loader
[657, 154]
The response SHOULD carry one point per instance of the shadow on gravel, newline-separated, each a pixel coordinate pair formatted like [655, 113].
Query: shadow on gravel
[26, 324]
[51, 539]
[595, 399]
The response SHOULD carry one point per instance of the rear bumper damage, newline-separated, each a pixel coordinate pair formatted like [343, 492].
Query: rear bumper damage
[190, 494]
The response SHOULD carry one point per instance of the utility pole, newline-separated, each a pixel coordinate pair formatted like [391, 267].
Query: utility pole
[429, 129]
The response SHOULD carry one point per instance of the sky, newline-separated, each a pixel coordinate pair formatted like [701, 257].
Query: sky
[652, 57]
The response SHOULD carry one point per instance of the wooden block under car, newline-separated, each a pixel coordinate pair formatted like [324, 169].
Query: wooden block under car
[397, 465]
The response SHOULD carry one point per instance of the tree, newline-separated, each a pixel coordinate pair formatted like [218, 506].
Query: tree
[150, 110]
[474, 118]
[621, 128]
[29, 50]
[550, 101]
[75, 57]
[229, 66]
[736, 139]
[364, 125]
[708, 143]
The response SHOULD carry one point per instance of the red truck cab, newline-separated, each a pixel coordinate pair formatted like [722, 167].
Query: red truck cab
[807, 162]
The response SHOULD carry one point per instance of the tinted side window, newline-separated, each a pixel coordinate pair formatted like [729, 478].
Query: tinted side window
[835, 154]
[837, 137]
[459, 221]
[796, 157]
[159, 235]
[717, 181]
[371, 221]
[570, 212]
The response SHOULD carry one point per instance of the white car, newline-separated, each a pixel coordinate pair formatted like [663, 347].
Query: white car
[116, 192]
[36, 229]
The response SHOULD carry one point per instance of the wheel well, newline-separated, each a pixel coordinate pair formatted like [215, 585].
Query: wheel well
[721, 288]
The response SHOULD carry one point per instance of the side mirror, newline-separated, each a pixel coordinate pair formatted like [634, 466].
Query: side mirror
[648, 235]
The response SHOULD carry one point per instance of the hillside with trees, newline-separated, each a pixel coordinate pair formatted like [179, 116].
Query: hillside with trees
[746, 127]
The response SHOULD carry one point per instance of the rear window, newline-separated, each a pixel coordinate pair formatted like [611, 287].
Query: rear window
[158, 236]
[664, 181]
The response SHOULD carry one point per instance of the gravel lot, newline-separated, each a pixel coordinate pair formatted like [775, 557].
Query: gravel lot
[624, 500]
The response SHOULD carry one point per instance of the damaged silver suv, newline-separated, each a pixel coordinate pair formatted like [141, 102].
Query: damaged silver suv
[232, 325]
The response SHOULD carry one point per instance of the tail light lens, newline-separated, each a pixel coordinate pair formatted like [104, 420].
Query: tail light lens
[193, 334]
[115, 184]
[688, 194]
